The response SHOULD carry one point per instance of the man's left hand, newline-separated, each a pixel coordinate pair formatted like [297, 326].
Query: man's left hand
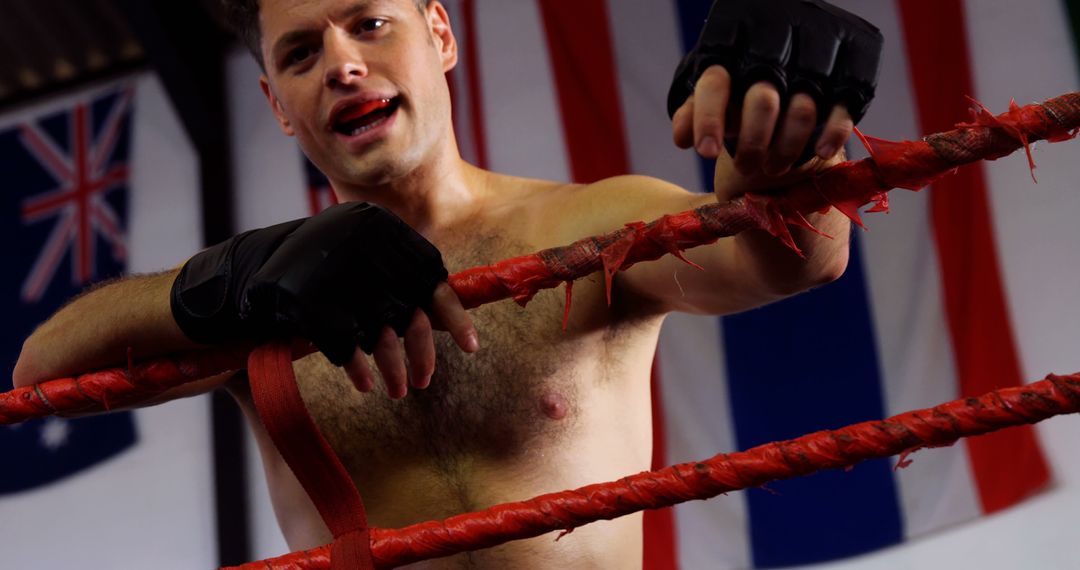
[772, 78]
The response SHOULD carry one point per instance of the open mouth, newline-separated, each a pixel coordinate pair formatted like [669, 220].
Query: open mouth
[365, 116]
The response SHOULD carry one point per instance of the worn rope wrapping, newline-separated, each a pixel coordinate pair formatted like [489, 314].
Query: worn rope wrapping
[846, 187]
[939, 426]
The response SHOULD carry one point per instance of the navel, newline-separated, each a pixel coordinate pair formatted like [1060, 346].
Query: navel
[554, 406]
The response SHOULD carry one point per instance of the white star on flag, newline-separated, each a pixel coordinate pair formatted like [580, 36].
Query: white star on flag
[55, 433]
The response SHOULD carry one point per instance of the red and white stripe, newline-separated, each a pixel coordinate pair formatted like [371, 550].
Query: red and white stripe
[576, 91]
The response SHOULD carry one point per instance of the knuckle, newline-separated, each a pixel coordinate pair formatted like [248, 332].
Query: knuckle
[842, 127]
[681, 112]
[447, 299]
[441, 295]
[840, 120]
[420, 323]
[714, 76]
[763, 98]
[766, 104]
[802, 113]
[835, 138]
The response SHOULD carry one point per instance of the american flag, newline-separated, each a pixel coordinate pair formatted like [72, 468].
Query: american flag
[319, 193]
[65, 200]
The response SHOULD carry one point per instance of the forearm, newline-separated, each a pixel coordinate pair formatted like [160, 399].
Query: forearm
[97, 329]
[783, 272]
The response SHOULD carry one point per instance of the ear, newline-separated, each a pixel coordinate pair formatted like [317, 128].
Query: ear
[443, 35]
[275, 106]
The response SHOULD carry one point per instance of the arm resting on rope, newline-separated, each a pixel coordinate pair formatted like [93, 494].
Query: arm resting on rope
[97, 329]
[847, 187]
[773, 109]
[745, 271]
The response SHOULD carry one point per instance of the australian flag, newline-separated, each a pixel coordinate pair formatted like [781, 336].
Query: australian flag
[64, 205]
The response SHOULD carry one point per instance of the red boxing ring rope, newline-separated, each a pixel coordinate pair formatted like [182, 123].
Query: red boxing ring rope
[831, 449]
[846, 187]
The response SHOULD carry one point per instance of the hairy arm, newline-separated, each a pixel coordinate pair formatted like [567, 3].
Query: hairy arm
[96, 329]
[274, 282]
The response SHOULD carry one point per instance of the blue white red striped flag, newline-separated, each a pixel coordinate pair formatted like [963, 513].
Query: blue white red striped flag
[919, 318]
[946, 296]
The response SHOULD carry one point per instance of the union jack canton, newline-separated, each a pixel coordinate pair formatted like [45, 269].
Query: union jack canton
[65, 208]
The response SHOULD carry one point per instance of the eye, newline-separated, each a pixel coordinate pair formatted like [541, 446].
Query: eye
[370, 25]
[298, 55]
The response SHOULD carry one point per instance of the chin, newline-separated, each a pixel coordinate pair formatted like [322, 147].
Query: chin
[368, 172]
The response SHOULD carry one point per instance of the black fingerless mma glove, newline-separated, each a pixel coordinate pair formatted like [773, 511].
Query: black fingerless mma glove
[806, 46]
[336, 279]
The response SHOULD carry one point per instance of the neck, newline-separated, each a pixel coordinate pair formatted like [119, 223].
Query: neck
[439, 193]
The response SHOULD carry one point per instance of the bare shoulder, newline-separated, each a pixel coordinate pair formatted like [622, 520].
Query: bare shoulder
[556, 213]
[608, 204]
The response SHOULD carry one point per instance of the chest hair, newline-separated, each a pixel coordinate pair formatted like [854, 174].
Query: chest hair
[485, 405]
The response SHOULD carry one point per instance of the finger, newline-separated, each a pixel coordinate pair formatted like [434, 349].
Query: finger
[711, 96]
[682, 124]
[761, 109]
[836, 133]
[420, 349]
[391, 363]
[359, 372]
[448, 314]
[795, 130]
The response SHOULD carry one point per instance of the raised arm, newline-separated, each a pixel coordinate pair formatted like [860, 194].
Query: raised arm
[738, 273]
[779, 84]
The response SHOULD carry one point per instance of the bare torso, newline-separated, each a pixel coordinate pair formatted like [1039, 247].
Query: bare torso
[537, 409]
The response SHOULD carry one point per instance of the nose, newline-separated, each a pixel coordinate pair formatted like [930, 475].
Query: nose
[344, 63]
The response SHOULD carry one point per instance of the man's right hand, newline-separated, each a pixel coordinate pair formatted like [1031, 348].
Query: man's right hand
[351, 280]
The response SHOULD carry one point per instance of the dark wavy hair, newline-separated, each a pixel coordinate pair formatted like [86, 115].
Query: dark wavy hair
[243, 18]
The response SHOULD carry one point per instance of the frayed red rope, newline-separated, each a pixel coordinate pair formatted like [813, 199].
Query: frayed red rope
[842, 448]
[847, 187]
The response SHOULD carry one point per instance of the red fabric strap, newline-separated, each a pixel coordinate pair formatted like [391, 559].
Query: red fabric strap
[312, 460]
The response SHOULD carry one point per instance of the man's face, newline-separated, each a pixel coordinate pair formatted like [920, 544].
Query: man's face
[360, 83]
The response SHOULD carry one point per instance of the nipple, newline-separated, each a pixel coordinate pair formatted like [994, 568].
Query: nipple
[554, 406]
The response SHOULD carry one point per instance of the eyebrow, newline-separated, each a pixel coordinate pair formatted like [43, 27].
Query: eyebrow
[300, 34]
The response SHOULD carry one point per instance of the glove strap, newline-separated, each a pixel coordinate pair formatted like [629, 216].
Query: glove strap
[312, 460]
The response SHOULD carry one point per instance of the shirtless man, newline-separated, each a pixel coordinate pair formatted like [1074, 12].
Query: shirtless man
[537, 409]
